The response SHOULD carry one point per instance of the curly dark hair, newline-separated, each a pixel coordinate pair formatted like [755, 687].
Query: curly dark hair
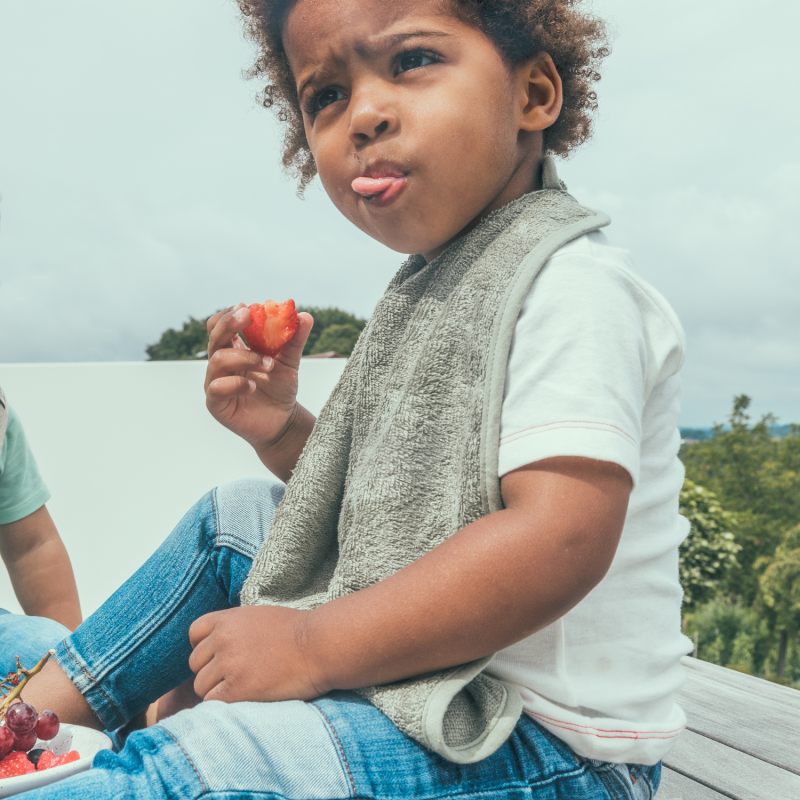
[575, 40]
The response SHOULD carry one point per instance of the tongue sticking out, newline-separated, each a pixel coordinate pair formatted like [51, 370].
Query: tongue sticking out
[368, 187]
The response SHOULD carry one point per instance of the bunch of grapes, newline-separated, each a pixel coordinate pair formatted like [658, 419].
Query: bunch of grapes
[24, 726]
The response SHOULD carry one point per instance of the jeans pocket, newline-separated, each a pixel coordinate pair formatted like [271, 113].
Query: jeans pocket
[243, 512]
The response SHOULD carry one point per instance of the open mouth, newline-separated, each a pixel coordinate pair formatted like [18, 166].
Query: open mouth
[381, 188]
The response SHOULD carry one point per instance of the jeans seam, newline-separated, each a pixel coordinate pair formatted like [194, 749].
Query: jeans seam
[215, 509]
[95, 684]
[112, 658]
[244, 548]
[186, 755]
[341, 749]
[606, 779]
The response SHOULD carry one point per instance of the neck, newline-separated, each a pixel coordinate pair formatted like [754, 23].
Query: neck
[527, 177]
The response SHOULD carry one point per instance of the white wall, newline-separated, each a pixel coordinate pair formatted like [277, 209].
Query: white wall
[126, 449]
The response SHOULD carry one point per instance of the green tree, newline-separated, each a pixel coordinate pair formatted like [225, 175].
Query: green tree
[709, 550]
[756, 477]
[780, 590]
[339, 338]
[180, 345]
[325, 318]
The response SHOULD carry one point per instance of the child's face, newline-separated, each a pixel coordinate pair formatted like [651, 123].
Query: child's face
[406, 92]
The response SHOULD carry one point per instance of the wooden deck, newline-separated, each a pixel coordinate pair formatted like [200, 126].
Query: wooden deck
[742, 741]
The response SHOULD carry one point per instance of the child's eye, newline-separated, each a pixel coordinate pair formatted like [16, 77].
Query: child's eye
[415, 59]
[324, 98]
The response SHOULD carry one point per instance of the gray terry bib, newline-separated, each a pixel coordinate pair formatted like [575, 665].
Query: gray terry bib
[405, 452]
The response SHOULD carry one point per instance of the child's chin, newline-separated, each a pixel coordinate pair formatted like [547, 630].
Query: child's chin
[404, 241]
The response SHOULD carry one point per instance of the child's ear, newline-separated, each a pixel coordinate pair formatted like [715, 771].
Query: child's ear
[541, 93]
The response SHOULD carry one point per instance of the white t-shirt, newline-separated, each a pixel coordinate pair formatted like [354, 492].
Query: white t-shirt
[593, 372]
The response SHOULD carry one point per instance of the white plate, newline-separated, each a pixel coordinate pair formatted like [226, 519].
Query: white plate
[86, 741]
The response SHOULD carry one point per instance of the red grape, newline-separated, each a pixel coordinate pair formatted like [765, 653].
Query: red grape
[47, 725]
[24, 741]
[6, 741]
[21, 717]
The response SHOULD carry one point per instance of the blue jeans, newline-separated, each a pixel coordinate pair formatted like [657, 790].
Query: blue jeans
[135, 648]
[27, 637]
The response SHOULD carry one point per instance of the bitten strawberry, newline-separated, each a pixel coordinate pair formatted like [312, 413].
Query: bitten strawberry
[273, 324]
[15, 764]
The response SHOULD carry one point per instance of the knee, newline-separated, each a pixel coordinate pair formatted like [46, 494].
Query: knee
[27, 637]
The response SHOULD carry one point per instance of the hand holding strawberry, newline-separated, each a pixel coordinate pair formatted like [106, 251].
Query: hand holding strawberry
[255, 395]
[271, 326]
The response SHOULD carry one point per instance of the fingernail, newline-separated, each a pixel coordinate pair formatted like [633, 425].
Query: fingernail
[268, 362]
[239, 316]
[251, 385]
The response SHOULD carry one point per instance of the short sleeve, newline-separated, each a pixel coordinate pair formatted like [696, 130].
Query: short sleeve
[591, 342]
[22, 490]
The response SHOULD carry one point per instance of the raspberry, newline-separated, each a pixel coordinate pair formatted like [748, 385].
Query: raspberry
[15, 764]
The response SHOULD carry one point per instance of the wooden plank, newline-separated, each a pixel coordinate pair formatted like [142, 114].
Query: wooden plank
[730, 772]
[749, 714]
[675, 786]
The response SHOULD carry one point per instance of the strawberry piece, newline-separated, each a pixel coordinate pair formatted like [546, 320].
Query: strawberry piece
[273, 324]
[15, 764]
[46, 760]
[68, 758]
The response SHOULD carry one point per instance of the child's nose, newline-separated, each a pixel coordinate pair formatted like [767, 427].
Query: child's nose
[370, 117]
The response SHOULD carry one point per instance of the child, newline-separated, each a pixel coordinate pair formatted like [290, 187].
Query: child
[496, 471]
[33, 553]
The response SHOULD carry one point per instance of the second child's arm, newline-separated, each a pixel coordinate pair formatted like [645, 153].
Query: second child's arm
[256, 396]
[40, 570]
[493, 583]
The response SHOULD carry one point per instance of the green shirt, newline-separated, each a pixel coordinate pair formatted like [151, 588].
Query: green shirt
[22, 490]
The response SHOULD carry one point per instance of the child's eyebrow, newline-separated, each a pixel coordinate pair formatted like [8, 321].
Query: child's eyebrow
[396, 38]
[382, 43]
[391, 39]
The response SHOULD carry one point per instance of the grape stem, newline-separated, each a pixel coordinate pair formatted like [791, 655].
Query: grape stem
[18, 680]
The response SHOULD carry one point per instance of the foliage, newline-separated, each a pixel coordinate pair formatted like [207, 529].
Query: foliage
[339, 338]
[710, 550]
[348, 327]
[339, 329]
[731, 634]
[756, 477]
[180, 345]
[780, 581]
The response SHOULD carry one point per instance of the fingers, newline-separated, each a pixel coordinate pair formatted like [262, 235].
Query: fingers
[215, 318]
[226, 327]
[293, 349]
[230, 362]
[204, 626]
[223, 390]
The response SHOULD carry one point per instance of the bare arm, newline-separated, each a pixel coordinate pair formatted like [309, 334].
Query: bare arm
[40, 570]
[493, 583]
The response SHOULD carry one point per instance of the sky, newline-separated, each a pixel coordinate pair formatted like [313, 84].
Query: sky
[141, 184]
